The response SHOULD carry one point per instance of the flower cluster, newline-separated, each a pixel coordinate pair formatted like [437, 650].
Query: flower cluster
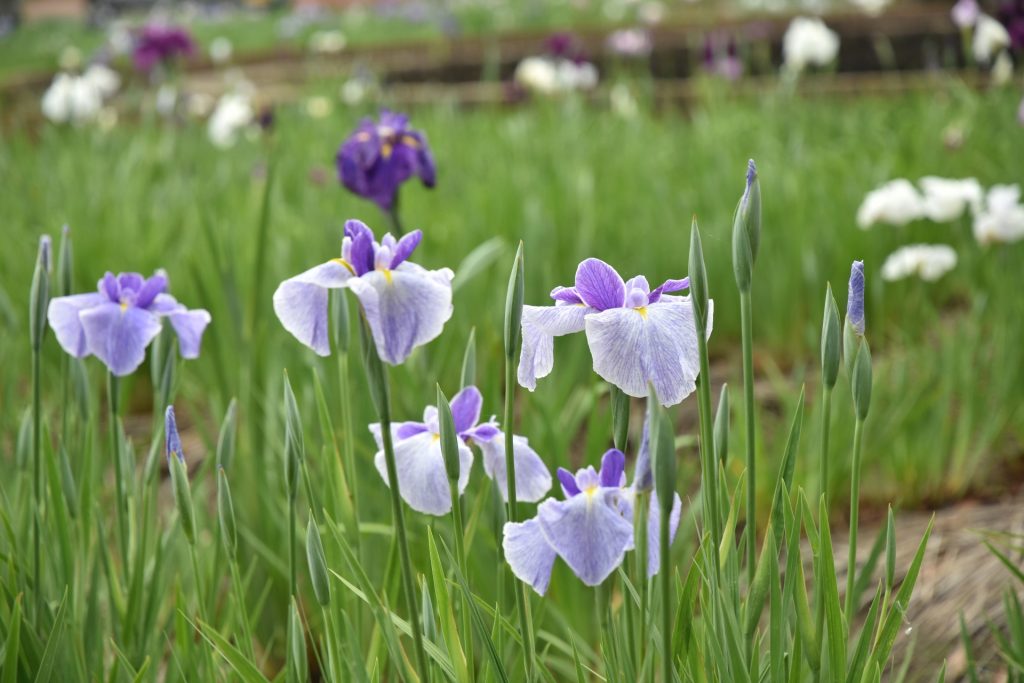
[422, 480]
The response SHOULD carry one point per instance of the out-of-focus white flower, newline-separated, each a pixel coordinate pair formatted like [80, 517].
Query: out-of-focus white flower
[1002, 69]
[927, 261]
[651, 13]
[965, 13]
[166, 99]
[220, 50]
[233, 113]
[989, 38]
[548, 76]
[946, 199]
[872, 8]
[71, 99]
[809, 42]
[1001, 219]
[327, 42]
[630, 42]
[70, 58]
[897, 202]
[622, 101]
[353, 91]
[103, 78]
[318, 107]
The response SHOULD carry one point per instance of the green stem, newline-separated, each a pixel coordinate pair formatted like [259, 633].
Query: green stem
[826, 419]
[408, 579]
[666, 602]
[748, 402]
[709, 463]
[201, 605]
[640, 564]
[348, 445]
[292, 566]
[522, 605]
[37, 480]
[243, 614]
[459, 533]
[113, 399]
[851, 568]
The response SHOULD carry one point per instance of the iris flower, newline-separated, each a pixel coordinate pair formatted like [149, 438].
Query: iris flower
[636, 335]
[161, 44]
[422, 479]
[591, 530]
[119, 321]
[405, 305]
[855, 298]
[381, 155]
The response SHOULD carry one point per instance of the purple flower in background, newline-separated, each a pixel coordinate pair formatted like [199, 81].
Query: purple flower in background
[405, 305]
[174, 449]
[422, 480]
[161, 44]
[965, 13]
[118, 322]
[728, 64]
[381, 155]
[591, 529]
[636, 335]
[630, 42]
[1011, 14]
[855, 298]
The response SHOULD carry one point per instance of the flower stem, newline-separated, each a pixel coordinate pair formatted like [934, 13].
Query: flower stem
[522, 604]
[748, 403]
[666, 603]
[243, 613]
[709, 463]
[37, 480]
[408, 579]
[826, 419]
[459, 533]
[851, 568]
[292, 567]
[200, 605]
[113, 399]
[348, 445]
[640, 564]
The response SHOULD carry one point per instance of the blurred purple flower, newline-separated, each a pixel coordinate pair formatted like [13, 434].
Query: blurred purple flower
[405, 305]
[565, 45]
[591, 529]
[381, 155]
[630, 42]
[161, 44]
[725, 64]
[117, 323]
[636, 335]
[1011, 14]
[965, 13]
[422, 480]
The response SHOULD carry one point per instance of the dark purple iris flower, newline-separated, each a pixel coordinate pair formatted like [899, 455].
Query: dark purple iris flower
[565, 45]
[381, 155]
[1011, 14]
[161, 44]
[122, 318]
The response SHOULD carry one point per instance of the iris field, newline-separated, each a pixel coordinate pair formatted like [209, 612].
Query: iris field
[571, 181]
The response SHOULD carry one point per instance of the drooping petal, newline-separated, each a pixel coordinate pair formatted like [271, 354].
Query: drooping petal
[588, 531]
[541, 324]
[399, 431]
[533, 480]
[482, 432]
[422, 481]
[657, 344]
[406, 307]
[654, 531]
[466, 409]
[119, 337]
[599, 285]
[528, 553]
[63, 316]
[301, 303]
[189, 326]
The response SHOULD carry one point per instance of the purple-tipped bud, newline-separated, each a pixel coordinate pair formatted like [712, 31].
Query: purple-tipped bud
[45, 253]
[173, 440]
[855, 299]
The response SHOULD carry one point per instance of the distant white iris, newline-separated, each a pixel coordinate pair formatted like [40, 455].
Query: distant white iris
[926, 261]
[897, 202]
[809, 42]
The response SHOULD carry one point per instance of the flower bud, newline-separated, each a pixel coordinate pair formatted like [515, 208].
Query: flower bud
[620, 416]
[298, 660]
[746, 230]
[698, 281]
[449, 440]
[179, 477]
[39, 296]
[317, 564]
[862, 381]
[721, 429]
[890, 550]
[293, 441]
[514, 304]
[830, 341]
[65, 264]
[663, 455]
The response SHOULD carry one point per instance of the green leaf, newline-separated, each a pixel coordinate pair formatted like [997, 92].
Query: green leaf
[12, 645]
[514, 305]
[761, 587]
[298, 661]
[246, 670]
[860, 655]
[784, 480]
[467, 377]
[833, 608]
[721, 429]
[449, 627]
[53, 642]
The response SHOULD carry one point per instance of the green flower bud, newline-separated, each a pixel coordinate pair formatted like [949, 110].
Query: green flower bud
[317, 564]
[293, 440]
[698, 280]
[620, 416]
[183, 497]
[830, 341]
[890, 550]
[227, 436]
[721, 431]
[65, 265]
[298, 661]
[39, 295]
[746, 230]
[339, 315]
[663, 454]
[468, 376]
[449, 440]
[514, 304]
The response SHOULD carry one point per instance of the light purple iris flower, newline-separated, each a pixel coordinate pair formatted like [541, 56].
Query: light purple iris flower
[591, 530]
[381, 155]
[636, 335]
[118, 322]
[405, 304]
[422, 479]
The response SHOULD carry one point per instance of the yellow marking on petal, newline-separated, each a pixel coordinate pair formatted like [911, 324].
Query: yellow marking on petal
[385, 150]
[410, 141]
[437, 437]
[343, 262]
[387, 274]
[591, 490]
[124, 306]
[642, 310]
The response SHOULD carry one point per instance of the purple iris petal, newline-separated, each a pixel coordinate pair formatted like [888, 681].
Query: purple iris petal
[668, 286]
[855, 299]
[541, 324]
[466, 409]
[481, 433]
[568, 481]
[119, 336]
[566, 295]
[158, 44]
[533, 480]
[64, 318]
[108, 285]
[405, 247]
[613, 466]
[599, 285]
[149, 290]
[361, 254]
[654, 530]
[528, 553]
[407, 430]
[588, 531]
[173, 440]
[189, 326]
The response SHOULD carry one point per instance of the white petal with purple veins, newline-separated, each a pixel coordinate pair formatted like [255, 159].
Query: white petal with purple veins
[654, 531]
[533, 479]
[422, 481]
[405, 307]
[541, 324]
[588, 531]
[119, 337]
[528, 553]
[189, 326]
[301, 303]
[63, 316]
